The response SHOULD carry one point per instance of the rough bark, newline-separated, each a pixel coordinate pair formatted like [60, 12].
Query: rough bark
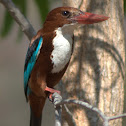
[96, 71]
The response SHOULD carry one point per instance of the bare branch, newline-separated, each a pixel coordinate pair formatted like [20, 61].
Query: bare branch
[71, 118]
[84, 104]
[117, 117]
[19, 18]
[88, 106]
[58, 109]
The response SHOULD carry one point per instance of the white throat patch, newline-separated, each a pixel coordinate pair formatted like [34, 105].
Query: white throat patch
[62, 50]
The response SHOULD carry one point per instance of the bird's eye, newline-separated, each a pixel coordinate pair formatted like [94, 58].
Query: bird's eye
[66, 13]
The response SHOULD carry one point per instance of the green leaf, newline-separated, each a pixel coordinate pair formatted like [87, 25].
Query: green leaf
[43, 6]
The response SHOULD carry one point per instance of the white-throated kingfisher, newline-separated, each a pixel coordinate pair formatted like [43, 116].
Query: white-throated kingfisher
[49, 54]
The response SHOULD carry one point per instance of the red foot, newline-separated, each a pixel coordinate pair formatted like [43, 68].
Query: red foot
[51, 91]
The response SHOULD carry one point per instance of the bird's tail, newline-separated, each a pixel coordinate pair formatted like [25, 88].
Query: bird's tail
[36, 104]
[35, 121]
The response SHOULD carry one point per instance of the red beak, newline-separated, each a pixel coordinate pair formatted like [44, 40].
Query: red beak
[89, 18]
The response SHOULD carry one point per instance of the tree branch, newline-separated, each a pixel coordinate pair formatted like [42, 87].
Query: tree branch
[105, 118]
[19, 18]
[58, 109]
[71, 119]
[117, 117]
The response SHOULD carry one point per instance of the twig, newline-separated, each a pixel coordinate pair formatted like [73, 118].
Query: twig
[58, 109]
[71, 117]
[19, 18]
[88, 106]
[117, 117]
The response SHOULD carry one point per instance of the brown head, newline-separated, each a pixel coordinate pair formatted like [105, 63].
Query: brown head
[69, 16]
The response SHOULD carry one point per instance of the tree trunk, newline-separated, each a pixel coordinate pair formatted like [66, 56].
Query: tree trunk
[96, 71]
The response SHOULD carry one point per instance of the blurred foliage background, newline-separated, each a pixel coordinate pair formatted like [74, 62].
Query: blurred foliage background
[43, 7]
[125, 7]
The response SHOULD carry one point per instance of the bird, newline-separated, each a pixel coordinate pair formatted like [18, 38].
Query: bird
[49, 54]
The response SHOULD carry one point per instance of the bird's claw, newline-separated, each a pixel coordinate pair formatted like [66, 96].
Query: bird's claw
[51, 92]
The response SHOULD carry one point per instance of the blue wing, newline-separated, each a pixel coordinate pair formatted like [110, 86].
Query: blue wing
[31, 57]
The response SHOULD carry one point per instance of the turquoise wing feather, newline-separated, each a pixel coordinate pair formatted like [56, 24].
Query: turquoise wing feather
[31, 57]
